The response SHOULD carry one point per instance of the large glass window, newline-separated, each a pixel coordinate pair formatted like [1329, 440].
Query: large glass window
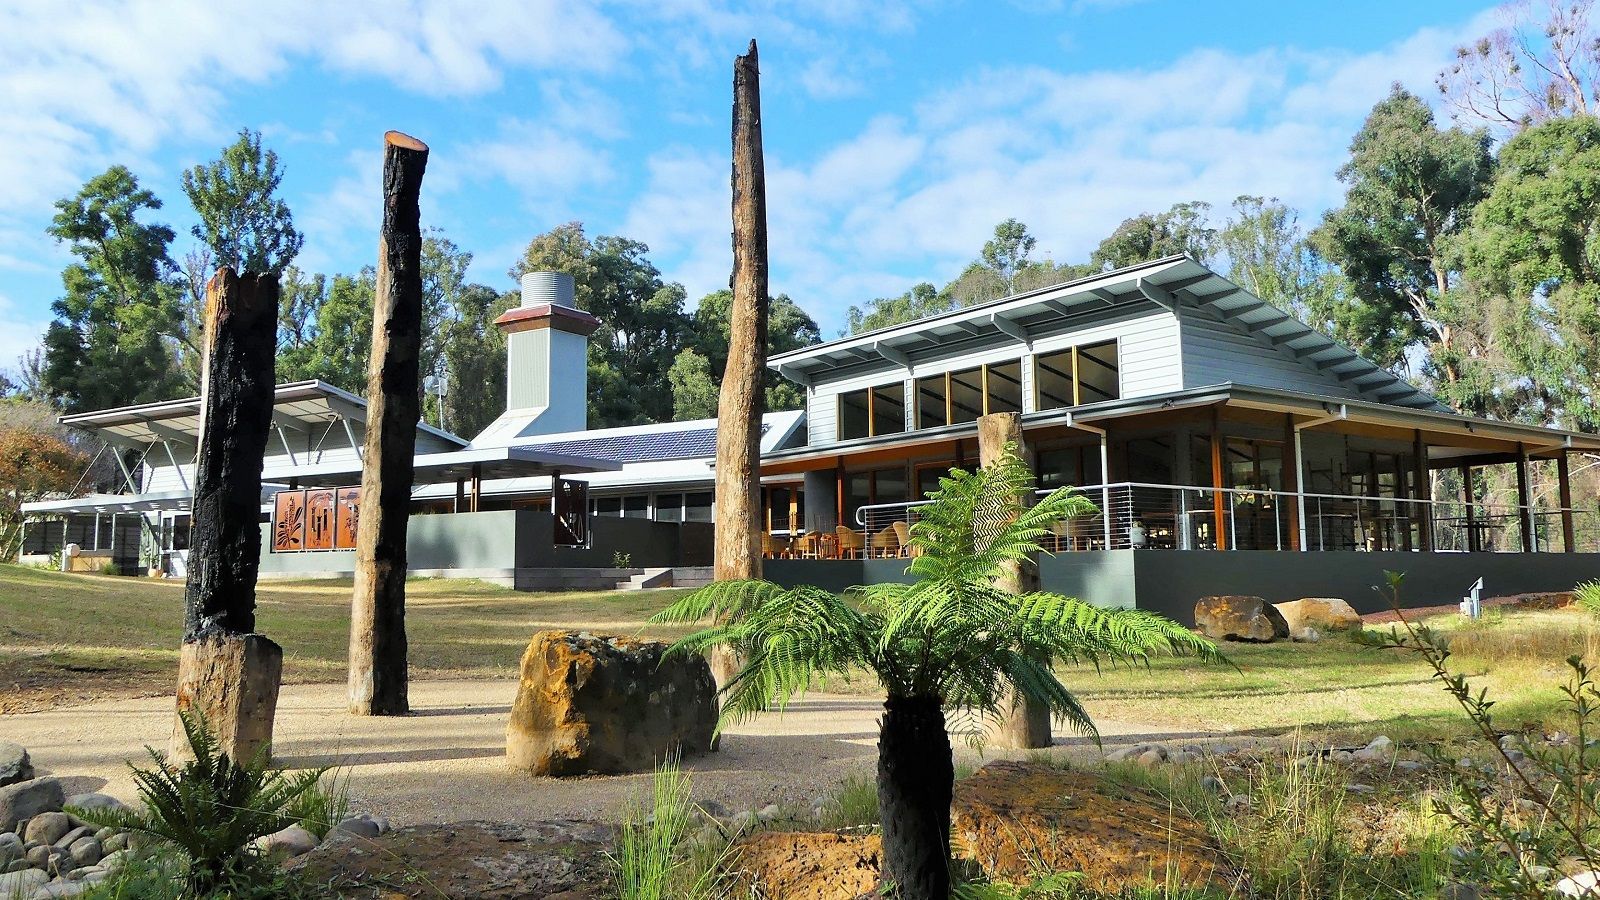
[669, 507]
[636, 507]
[872, 411]
[698, 507]
[1087, 374]
[932, 406]
[1069, 467]
[1004, 386]
[955, 398]
[966, 395]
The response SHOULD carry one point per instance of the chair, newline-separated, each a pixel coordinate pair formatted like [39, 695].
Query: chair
[772, 548]
[806, 546]
[852, 543]
[886, 543]
[902, 534]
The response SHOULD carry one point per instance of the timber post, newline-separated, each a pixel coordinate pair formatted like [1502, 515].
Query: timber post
[1027, 724]
[226, 672]
[743, 393]
[378, 678]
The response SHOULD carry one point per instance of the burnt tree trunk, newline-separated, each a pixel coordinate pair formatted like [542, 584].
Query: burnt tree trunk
[739, 407]
[1024, 724]
[378, 685]
[916, 781]
[226, 672]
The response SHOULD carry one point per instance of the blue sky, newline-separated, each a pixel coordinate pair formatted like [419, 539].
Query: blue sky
[897, 133]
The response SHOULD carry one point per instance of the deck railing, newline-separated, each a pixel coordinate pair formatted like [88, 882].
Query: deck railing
[1132, 515]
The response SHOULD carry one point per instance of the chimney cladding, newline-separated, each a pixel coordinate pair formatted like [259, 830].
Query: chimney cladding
[539, 288]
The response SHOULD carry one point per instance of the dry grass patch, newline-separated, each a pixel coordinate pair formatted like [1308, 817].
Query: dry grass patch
[68, 638]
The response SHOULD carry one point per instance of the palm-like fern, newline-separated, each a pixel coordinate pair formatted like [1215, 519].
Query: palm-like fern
[210, 808]
[950, 639]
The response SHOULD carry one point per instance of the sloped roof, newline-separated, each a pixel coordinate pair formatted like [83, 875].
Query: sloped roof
[1175, 283]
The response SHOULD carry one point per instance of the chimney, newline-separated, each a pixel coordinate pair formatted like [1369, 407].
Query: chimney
[547, 364]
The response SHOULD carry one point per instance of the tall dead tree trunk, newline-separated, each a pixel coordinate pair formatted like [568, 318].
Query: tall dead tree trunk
[1025, 725]
[739, 407]
[378, 678]
[226, 672]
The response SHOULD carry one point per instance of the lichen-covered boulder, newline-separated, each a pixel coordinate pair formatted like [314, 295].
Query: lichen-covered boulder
[15, 766]
[26, 799]
[804, 866]
[1016, 819]
[607, 705]
[1239, 618]
[1321, 613]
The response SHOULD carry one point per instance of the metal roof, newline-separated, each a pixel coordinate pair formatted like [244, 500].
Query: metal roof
[298, 405]
[1175, 283]
[454, 465]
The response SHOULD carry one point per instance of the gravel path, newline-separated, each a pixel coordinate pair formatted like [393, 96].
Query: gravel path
[444, 763]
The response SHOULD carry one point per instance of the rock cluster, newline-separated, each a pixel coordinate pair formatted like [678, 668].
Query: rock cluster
[607, 705]
[1245, 618]
[46, 851]
[1239, 618]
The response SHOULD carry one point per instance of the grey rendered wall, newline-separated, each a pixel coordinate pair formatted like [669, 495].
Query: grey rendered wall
[506, 539]
[1170, 581]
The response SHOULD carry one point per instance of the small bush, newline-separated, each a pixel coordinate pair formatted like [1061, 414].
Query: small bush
[647, 844]
[1587, 597]
[322, 807]
[209, 810]
[853, 806]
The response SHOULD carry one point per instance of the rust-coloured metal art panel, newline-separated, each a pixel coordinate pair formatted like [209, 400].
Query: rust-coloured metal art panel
[348, 513]
[319, 519]
[289, 521]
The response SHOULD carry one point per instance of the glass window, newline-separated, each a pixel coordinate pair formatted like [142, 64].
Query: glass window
[931, 411]
[669, 507]
[1097, 372]
[1053, 379]
[698, 507]
[1069, 467]
[636, 507]
[1005, 386]
[966, 395]
[889, 408]
[853, 419]
[873, 411]
[608, 506]
[857, 493]
[889, 486]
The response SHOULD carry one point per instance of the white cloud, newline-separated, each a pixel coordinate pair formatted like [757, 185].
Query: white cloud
[1071, 154]
[20, 333]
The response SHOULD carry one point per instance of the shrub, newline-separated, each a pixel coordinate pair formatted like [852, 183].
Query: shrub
[655, 858]
[209, 810]
[1535, 809]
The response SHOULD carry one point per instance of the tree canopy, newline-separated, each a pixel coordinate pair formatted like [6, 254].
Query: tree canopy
[243, 221]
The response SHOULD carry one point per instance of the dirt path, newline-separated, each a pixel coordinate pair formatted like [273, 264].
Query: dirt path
[445, 762]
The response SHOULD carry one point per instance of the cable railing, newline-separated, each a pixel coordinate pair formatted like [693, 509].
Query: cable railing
[1140, 516]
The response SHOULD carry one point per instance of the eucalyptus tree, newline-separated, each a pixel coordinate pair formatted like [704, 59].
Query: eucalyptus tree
[243, 221]
[949, 641]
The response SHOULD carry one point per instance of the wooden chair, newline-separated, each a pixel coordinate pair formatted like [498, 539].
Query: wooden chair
[772, 548]
[1060, 536]
[902, 534]
[852, 543]
[886, 543]
[806, 546]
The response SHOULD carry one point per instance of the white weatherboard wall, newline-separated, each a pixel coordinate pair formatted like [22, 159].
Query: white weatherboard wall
[1150, 361]
[1216, 352]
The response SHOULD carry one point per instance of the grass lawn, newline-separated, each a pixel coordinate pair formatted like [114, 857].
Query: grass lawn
[68, 637]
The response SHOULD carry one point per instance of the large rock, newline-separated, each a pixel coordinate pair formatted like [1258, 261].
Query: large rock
[15, 766]
[27, 799]
[1320, 613]
[1239, 618]
[607, 705]
[798, 866]
[468, 861]
[1015, 819]
[22, 883]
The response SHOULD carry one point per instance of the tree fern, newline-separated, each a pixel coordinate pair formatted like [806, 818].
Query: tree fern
[949, 640]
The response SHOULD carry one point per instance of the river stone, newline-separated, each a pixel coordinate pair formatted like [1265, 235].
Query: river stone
[1319, 613]
[47, 828]
[18, 883]
[26, 799]
[607, 705]
[291, 841]
[85, 851]
[808, 866]
[1016, 819]
[1239, 618]
[73, 836]
[118, 841]
[15, 766]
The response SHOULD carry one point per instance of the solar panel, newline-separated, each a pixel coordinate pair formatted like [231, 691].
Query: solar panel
[658, 446]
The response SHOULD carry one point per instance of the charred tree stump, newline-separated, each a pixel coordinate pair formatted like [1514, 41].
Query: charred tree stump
[378, 677]
[1026, 724]
[226, 672]
[743, 395]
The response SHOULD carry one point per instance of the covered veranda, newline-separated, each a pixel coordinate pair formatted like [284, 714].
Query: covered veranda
[1217, 469]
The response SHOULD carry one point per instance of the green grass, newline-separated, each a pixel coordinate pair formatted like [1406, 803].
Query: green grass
[76, 636]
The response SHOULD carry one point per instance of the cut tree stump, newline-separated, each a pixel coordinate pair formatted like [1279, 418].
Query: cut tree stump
[232, 680]
[1027, 725]
[378, 679]
[226, 672]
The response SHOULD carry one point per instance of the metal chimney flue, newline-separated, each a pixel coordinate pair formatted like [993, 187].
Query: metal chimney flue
[539, 288]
